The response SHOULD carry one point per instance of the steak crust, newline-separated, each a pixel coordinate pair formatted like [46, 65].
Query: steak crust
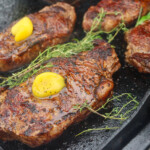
[52, 25]
[128, 8]
[138, 49]
[72, 2]
[36, 121]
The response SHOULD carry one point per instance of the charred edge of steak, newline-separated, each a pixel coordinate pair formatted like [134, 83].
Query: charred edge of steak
[140, 61]
[138, 49]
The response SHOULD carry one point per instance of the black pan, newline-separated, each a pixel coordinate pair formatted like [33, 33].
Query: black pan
[127, 80]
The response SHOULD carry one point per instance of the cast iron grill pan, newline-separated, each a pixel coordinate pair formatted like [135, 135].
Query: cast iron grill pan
[127, 80]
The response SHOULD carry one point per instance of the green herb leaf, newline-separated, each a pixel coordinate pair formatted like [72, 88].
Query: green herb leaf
[143, 19]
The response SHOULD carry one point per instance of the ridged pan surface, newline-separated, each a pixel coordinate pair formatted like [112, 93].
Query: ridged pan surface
[127, 80]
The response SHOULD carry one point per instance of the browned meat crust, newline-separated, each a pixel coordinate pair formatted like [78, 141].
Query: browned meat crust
[72, 2]
[128, 8]
[52, 25]
[138, 49]
[34, 122]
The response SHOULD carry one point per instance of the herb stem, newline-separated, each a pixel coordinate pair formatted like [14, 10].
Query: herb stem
[139, 17]
[97, 129]
[113, 98]
[116, 113]
[116, 33]
[104, 116]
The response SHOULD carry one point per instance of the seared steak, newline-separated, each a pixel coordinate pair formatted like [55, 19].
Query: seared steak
[52, 25]
[36, 121]
[128, 8]
[72, 2]
[138, 49]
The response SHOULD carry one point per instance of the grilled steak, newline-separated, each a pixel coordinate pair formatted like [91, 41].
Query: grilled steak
[72, 2]
[138, 49]
[52, 25]
[34, 122]
[129, 10]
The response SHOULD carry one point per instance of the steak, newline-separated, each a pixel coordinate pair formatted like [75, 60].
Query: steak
[72, 2]
[36, 121]
[129, 10]
[52, 25]
[138, 49]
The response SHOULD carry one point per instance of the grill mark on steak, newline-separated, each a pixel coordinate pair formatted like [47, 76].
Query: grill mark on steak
[138, 49]
[88, 78]
[129, 8]
[52, 25]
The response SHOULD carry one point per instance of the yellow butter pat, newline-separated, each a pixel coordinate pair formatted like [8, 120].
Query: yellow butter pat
[22, 29]
[47, 84]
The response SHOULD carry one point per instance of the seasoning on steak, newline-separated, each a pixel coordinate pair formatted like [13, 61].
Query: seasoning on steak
[52, 25]
[129, 9]
[138, 49]
[33, 121]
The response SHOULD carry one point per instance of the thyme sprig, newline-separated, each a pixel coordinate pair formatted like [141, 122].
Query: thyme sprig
[98, 129]
[116, 113]
[63, 50]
